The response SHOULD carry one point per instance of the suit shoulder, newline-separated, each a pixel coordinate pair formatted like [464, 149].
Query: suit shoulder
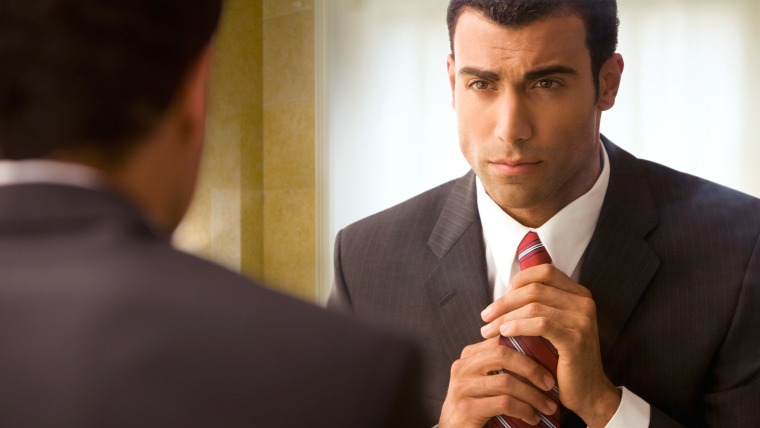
[213, 284]
[676, 188]
[699, 209]
[419, 211]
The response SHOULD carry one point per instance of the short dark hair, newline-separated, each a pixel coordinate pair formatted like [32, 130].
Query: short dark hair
[93, 73]
[599, 17]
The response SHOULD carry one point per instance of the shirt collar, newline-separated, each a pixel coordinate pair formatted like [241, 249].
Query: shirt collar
[565, 236]
[48, 171]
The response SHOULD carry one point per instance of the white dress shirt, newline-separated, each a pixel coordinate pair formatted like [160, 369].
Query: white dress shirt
[47, 171]
[565, 236]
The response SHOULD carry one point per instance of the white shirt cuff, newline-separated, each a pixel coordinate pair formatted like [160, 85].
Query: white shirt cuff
[633, 412]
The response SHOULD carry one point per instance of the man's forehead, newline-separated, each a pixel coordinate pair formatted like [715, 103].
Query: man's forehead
[554, 38]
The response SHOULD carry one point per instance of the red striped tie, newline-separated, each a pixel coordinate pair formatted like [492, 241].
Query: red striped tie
[531, 252]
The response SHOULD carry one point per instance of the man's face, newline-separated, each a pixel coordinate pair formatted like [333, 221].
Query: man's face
[527, 112]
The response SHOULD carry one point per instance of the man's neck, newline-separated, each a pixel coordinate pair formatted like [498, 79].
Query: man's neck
[536, 216]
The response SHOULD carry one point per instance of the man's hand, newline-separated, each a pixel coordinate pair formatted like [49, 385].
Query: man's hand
[542, 301]
[476, 394]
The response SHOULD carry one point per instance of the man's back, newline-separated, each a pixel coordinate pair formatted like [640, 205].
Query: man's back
[104, 324]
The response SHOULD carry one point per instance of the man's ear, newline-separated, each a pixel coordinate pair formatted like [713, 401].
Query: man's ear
[609, 81]
[193, 96]
[451, 68]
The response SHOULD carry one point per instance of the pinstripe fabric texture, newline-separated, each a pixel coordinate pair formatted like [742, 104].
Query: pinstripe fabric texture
[673, 266]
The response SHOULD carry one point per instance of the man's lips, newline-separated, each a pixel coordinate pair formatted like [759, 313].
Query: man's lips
[514, 167]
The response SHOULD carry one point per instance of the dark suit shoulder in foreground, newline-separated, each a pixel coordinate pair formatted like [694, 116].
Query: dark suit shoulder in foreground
[103, 323]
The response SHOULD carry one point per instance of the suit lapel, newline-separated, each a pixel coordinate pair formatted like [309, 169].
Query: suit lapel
[457, 287]
[617, 267]
[619, 264]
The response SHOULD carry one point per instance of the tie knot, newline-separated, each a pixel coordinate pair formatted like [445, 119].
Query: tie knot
[532, 252]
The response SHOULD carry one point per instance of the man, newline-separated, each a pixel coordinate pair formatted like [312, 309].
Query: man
[102, 323]
[653, 297]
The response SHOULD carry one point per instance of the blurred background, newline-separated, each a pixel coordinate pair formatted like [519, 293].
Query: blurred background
[325, 111]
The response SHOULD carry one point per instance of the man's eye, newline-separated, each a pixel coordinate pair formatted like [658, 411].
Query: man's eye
[546, 84]
[479, 85]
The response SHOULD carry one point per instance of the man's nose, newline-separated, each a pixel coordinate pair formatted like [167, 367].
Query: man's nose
[513, 123]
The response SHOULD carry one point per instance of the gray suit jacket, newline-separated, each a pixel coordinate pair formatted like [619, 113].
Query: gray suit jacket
[104, 324]
[673, 265]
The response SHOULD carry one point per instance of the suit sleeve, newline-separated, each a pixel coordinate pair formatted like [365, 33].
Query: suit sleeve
[397, 368]
[659, 419]
[339, 298]
[734, 388]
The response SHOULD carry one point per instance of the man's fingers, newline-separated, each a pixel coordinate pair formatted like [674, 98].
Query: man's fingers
[561, 337]
[476, 348]
[560, 294]
[549, 275]
[510, 406]
[497, 357]
[507, 384]
[491, 379]
[484, 408]
[548, 316]
[537, 300]
[540, 300]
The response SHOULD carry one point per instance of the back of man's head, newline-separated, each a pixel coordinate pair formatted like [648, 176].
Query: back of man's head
[93, 74]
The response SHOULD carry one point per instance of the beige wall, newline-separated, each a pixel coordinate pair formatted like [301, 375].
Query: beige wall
[254, 209]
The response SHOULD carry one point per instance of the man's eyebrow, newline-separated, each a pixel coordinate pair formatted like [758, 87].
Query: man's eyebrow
[548, 71]
[531, 75]
[482, 74]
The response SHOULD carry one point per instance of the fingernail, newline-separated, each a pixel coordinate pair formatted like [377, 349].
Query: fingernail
[552, 406]
[549, 382]
[486, 312]
[484, 329]
[504, 329]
